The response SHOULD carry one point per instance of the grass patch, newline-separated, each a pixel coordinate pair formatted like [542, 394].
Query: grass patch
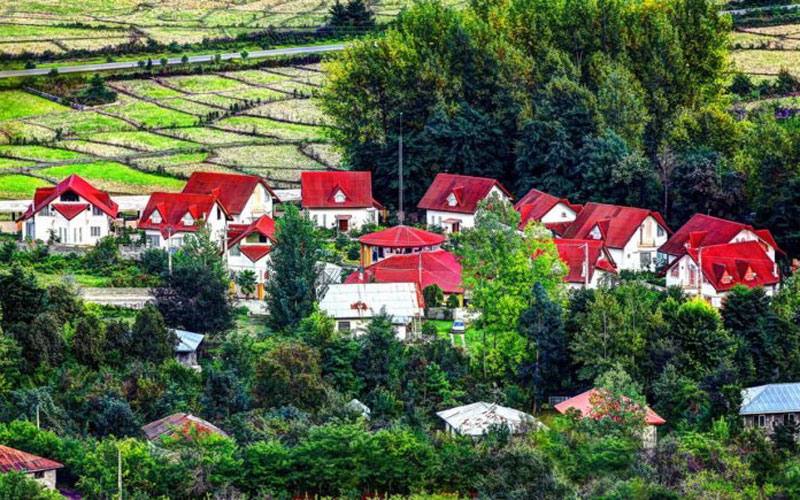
[204, 83]
[143, 140]
[18, 187]
[150, 115]
[118, 177]
[40, 153]
[17, 104]
[766, 61]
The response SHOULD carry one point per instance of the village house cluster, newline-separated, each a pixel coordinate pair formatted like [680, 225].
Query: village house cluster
[706, 257]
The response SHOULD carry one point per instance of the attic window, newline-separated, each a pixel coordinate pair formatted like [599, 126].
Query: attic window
[659, 231]
[595, 233]
[749, 275]
[726, 278]
[451, 200]
[69, 196]
[155, 218]
[339, 197]
[187, 219]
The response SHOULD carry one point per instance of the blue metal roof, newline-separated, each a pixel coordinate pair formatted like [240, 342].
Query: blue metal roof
[188, 341]
[771, 398]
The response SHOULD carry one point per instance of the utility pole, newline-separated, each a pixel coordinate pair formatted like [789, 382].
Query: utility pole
[119, 473]
[401, 216]
[586, 264]
[169, 248]
[700, 272]
[38, 426]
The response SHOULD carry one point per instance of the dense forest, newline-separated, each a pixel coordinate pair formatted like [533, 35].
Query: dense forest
[605, 100]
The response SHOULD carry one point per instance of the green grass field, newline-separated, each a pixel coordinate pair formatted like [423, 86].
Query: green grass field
[154, 137]
[18, 104]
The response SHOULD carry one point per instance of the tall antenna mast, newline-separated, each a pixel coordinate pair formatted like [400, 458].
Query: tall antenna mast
[401, 216]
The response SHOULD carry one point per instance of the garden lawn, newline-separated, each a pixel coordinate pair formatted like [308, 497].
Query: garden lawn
[116, 177]
[16, 104]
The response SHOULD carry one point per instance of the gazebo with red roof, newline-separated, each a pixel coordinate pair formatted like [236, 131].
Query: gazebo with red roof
[397, 240]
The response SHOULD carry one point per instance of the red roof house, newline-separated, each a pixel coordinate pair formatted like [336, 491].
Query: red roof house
[705, 230]
[13, 460]
[325, 189]
[182, 424]
[725, 266]
[590, 403]
[574, 255]
[424, 268]
[232, 190]
[542, 207]
[459, 193]
[179, 212]
[44, 196]
[253, 240]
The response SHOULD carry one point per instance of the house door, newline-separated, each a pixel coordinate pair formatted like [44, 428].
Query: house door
[456, 227]
[343, 225]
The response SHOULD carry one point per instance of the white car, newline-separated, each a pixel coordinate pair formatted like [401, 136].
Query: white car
[459, 327]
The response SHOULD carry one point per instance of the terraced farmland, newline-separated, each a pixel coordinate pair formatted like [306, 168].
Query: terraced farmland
[58, 26]
[264, 122]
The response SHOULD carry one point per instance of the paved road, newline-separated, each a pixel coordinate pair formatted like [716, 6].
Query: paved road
[83, 68]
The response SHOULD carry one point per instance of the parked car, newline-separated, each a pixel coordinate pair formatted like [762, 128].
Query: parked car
[459, 327]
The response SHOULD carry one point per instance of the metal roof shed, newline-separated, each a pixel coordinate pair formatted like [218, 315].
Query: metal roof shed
[771, 398]
[475, 419]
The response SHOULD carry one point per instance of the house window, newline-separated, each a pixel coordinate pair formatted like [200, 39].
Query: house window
[451, 200]
[235, 252]
[46, 210]
[339, 197]
[154, 241]
[645, 258]
[675, 272]
[155, 218]
[95, 231]
[187, 219]
[219, 213]
[344, 326]
[69, 196]
[77, 234]
[762, 420]
[563, 215]
[96, 211]
[660, 231]
[39, 474]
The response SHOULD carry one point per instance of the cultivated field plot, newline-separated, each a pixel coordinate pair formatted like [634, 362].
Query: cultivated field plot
[62, 25]
[766, 62]
[164, 128]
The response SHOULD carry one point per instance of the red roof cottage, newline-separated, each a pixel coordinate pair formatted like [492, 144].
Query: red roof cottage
[632, 235]
[73, 213]
[596, 404]
[452, 200]
[589, 263]
[244, 197]
[169, 216]
[397, 240]
[711, 271]
[40, 469]
[339, 200]
[248, 249]
[705, 230]
[555, 213]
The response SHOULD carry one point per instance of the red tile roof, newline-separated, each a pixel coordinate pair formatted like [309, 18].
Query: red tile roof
[20, 461]
[705, 230]
[320, 188]
[233, 190]
[573, 253]
[467, 190]
[423, 268]
[179, 423]
[173, 206]
[255, 252]
[586, 402]
[558, 228]
[264, 225]
[745, 263]
[536, 204]
[70, 210]
[74, 184]
[402, 237]
[617, 223]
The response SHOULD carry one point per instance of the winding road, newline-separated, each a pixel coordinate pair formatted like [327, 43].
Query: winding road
[256, 54]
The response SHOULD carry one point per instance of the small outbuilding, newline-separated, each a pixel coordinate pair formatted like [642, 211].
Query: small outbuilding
[42, 470]
[397, 240]
[186, 350]
[182, 424]
[766, 406]
[475, 419]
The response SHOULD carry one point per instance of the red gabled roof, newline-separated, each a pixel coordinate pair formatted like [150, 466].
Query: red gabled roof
[558, 228]
[232, 190]
[573, 254]
[180, 423]
[255, 252]
[15, 460]
[46, 195]
[617, 223]
[536, 204]
[402, 237]
[585, 404]
[423, 268]
[467, 190]
[745, 263]
[705, 230]
[173, 206]
[264, 225]
[70, 210]
[319, 189]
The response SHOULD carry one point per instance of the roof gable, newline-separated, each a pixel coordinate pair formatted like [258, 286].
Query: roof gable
[232, 190]
[264, 225]
[745, 263]
[536, 204]
[75, 184]
[705, 230]
[465, 190]
[616, 224]
[69, 210]
[573, 253]
[319, 189]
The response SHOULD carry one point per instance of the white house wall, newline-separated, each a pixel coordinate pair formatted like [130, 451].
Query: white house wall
[559, 213]
[326, 217]
[83, 222]
[238, 263]
[629, 258]
[437, 218]
[260, 203]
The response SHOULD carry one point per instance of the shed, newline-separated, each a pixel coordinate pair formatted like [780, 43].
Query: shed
[186, 350]
[475, 419]
[179, 423]
[37, 468]
[768, 405]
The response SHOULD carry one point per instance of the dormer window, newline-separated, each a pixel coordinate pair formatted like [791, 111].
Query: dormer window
[69, 196]
[339, 197]
[187, 219]
[451, 200]
[155, 218]
[749, 275]
[595, 233]
[726, 278]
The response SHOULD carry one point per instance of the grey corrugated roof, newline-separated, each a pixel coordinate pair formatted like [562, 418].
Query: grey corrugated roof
[476, 418]
[771, 398]
[188, 341]
[400, 300]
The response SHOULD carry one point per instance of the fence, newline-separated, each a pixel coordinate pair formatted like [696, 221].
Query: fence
[54, 98]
